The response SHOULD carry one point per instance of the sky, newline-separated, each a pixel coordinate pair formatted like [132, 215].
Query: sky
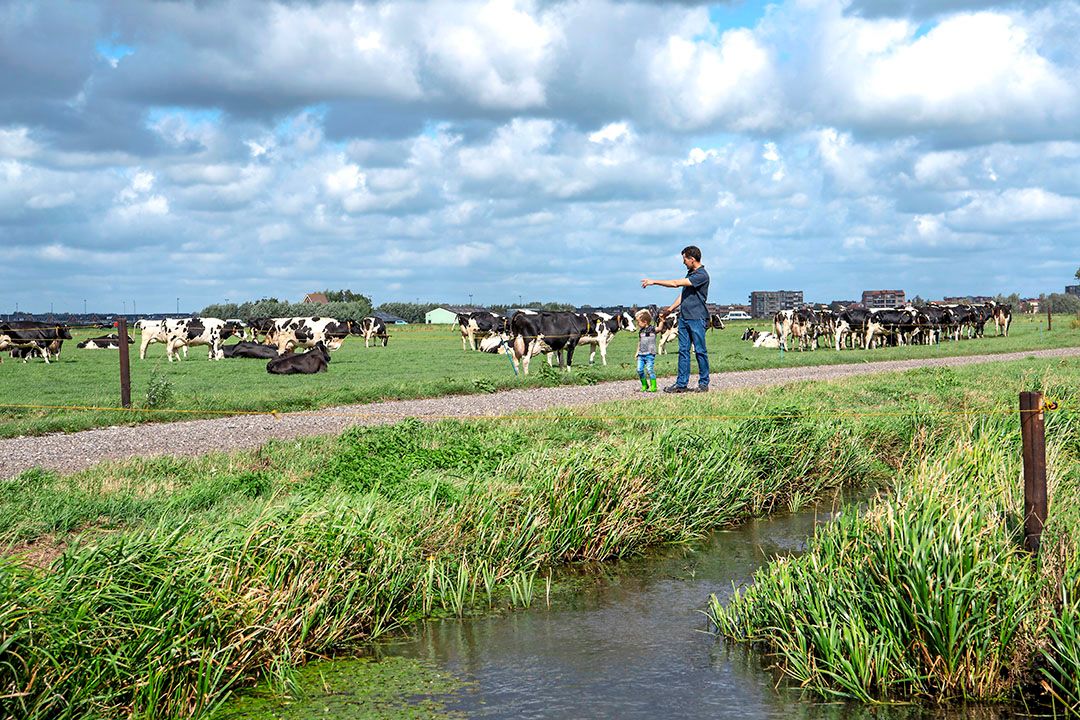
[155, 153]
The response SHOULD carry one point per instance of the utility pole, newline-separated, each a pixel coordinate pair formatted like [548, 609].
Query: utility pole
[84, 306]
[125, 306]
[133, 310]
[177, 306]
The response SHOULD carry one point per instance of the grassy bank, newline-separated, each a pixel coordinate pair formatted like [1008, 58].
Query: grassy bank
[420, 361]
[926, 595]
[179, 582]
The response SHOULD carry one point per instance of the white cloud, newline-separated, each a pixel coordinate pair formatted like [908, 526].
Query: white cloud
[16, 143]
[657, 222]
[696, 84]
[612, 132]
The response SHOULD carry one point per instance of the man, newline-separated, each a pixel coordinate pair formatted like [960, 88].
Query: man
[693, 316]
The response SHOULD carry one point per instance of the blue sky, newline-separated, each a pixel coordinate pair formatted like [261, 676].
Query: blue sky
[554, 150]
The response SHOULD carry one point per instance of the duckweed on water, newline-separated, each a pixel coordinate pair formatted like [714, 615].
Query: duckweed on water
[365, 689]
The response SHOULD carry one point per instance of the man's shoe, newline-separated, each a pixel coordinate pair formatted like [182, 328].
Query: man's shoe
[676, 389]
[701, 388]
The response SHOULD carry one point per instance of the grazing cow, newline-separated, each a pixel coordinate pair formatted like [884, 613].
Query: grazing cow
[940, 320]
[372, 328]
[601, 329]
[546, 332]
[1002, 318]
[667, 329]
[249, 350]
[478, 325]
[27, 338]
[308, 332]
[105, 342]
[152, 331]
[210, 332]
[315, 360]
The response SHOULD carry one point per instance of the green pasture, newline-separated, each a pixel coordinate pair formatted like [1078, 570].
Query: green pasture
[420, 361]
[162, 587]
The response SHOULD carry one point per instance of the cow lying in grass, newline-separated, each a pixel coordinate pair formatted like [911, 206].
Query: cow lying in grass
[315, 360]
[105, 342]
[246, 349]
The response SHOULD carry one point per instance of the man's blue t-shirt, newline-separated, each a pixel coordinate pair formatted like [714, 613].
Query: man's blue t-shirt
[692, 305]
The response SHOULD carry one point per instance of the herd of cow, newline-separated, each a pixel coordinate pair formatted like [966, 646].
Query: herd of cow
[528, 333]
[272, 339]
[863, 327]
[520, 336]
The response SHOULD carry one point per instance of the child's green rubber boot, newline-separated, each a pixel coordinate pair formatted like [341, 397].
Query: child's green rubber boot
[652, 385]
[644, 385]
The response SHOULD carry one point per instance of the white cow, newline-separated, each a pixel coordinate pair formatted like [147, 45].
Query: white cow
[201, 331]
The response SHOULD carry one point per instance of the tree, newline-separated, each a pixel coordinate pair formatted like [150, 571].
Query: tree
[1078, 273]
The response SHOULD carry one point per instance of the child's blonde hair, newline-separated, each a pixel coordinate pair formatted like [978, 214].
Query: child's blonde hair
[645, 315]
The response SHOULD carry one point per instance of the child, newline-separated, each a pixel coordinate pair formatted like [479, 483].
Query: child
[646, 353]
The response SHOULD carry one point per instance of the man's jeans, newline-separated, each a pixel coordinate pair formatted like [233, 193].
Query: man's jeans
[692, 331]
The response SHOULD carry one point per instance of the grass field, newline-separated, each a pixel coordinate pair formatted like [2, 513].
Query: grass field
[166, 585]
[420, 361]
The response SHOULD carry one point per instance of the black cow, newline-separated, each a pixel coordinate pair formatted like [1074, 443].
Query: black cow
[1002, 318]
[315, 360]
[545, 332]
[895, 325]
[249, 350]
[34, 338]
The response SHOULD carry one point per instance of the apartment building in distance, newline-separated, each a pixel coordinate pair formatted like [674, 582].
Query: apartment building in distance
[884, 298]
[765, 303]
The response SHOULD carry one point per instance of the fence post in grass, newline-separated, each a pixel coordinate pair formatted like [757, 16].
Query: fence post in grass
[1032, 431]
[1049, 317]
[125, 364]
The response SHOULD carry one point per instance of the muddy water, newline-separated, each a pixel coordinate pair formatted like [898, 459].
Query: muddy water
[631, 641]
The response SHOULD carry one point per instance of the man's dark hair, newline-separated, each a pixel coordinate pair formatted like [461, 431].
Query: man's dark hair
[692, 251]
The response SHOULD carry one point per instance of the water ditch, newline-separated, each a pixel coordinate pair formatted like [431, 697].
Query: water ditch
[621, 640]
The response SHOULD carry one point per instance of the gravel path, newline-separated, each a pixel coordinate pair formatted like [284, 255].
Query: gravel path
[77, 451]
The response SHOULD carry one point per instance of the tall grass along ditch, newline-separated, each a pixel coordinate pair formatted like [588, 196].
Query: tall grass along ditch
[161, 587]
[927, 594]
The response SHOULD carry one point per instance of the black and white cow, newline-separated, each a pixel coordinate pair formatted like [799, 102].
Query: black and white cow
[372, 328]
[263, 326]
[249, 350]
[210, 332]
[802, 324]
[761, 339]
[476, 326]
[308, 332]
[1002, 318]
[667, 329]
[601, 329]
[851, 325]
[315, 360]
[895, 325]
[29, 338]
[105, 342]
[159, 331]
[545, 332]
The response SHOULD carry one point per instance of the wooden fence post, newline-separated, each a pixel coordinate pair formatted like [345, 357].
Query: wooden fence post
[1049, 317]
[125, 364]
[1032, 431]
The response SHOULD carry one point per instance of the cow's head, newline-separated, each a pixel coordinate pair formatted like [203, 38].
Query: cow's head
[626, 320]
[232, 327]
